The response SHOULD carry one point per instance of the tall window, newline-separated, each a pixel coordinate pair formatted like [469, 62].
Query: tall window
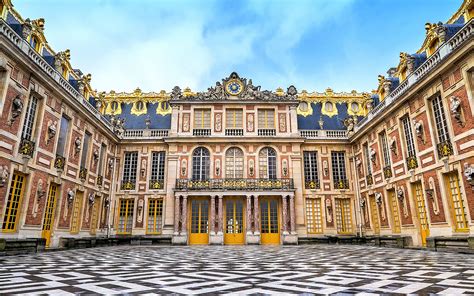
[440, 119]
[130, 167]
[367, 159]
[408, 136]
[385, 150]
[234, 118]
[339, 169]
[158, 166]
[267, 163]
[85, 149]
[234, 163]
[201, 164]
[12, 208]
[103, 149]
[311, 177]
[62, 138]
[202, 118]
[266, 118]
[155, 213]
[28, 126]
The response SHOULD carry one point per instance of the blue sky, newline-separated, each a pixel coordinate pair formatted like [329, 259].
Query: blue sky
[154, 45]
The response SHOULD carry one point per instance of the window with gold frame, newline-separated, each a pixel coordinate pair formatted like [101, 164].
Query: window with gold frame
[314, 219]
[155, 214]
[266, 118]
[458, 208]
[12, 209]
[202, 118]
[234, 163]
[234, 118]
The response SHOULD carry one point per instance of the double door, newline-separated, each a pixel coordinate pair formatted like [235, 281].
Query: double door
[234, 221]
[269, 221]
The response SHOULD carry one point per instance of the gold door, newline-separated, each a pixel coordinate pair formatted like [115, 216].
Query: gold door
[234, 222]
[95, 216]
[343, 216]
[48, 219]
[374, 214]
[421, 212]
[396, 228]
[269, 224]
[199, 221]
[457, 206]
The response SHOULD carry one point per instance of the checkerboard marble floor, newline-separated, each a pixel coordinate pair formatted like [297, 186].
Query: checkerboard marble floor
[242, 270]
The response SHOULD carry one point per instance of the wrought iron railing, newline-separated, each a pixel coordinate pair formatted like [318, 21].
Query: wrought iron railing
[59, 162]
[387, 172]
[445, 149]
[412, 162]
[127, 185]
[201, 132]
[235, 184]
[369, 179]
[82, 173]
[100, 180]
[311, 184]
[27, 147]
[156, 184]
[341, 184]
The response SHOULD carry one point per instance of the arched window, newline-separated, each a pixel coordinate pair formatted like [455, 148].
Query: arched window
[201, 164]
[267, 163]
[234, 163]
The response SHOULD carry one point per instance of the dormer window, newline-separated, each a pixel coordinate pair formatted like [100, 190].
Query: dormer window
[34, 43]
[114, 106]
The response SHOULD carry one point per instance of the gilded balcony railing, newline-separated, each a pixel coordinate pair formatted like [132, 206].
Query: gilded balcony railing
[369, 179]
[412, 163]
[127, 185]
[311, 184]
[445, 149]
[82, 173]
[27, 147]
[156, 184]
[235, 184]
[100, 180]
[59, 162]
[341, 184]
[387, 172]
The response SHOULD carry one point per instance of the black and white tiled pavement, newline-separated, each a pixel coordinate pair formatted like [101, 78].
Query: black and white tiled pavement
[314, 269]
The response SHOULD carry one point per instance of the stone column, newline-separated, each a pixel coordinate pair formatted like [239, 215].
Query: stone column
[220, 216]
[176, 215]
[284, 216]
[184, 224]
[292, 215]
[256, 214]
[212, 222]
[249, 214]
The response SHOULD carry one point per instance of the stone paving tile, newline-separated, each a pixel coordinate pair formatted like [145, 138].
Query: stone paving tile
[238, 270]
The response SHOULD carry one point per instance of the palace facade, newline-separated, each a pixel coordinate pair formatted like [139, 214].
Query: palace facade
[236, 164]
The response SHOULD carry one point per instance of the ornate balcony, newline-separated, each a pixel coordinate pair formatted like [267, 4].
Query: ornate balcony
[127, 185]
[234, 132]
[235, 184]
[445, 149]
[387, 172]
[156, 184]
[27, 147]
[201, 132]
[266, 132]
[369, 179]
[59, 162]
[100, 180]
[341, 184]
[82, 173]
[412, 163]
[311, 184]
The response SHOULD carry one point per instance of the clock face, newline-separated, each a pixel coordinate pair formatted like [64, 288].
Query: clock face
[234, 87]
